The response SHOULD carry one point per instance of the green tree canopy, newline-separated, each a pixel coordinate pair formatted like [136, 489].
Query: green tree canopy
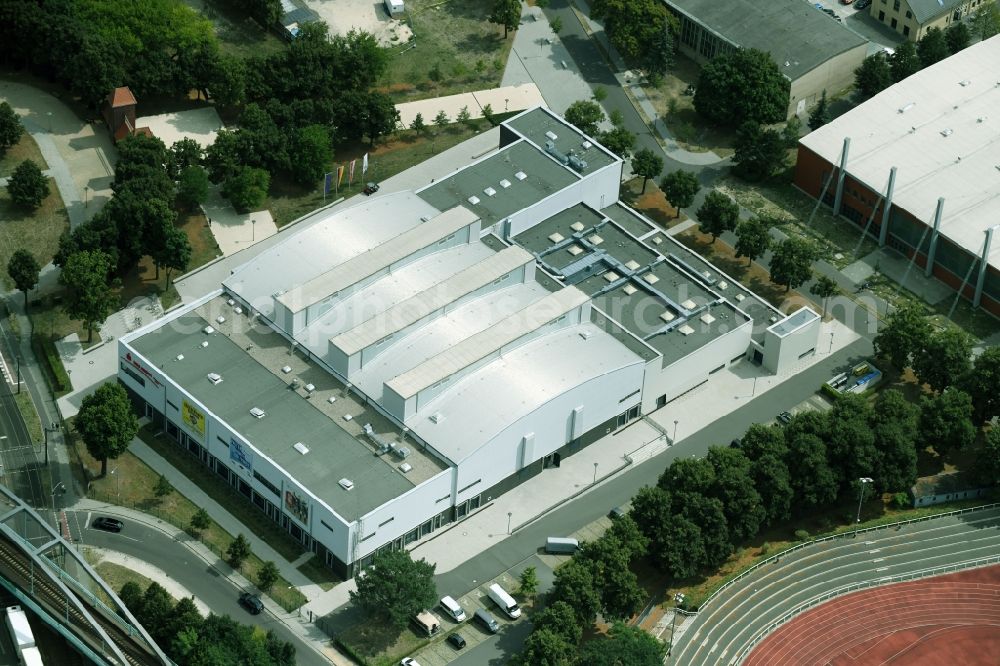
[642, 31]
[163, 486]
[267, 576]
[624, 645]
[106, 423]
[986, 21]
[395, 588]
[238, 551]
[506, 13]
[740, 86]
[894, 423]
[246, 188]
[957, 36]
[710, 517]
[932, 47]
[560, 618]
[544, 647]
[528, 582]
[988, 464]
[585, 114]
[619, 141]
[200, 520]
[983, 384]
[752, 239]
[575, 585]
[680, 187]
[791, 263]
[11, 128]
[23, 270]
[824, 287]
[718, 214]
[313, 152]
[734, 486]
[690, 475]
[873, 75]
[27, 186]
[761, 439]
[850, 440]
[183, 154]
[902, 335]
[759, 152]
[192, 188]
[647, 164]
[945, 357]
[820, 114]
[629, 536]
[774, 484]
[812, 479]
[88, 294]
[946, 421]
[904, 61]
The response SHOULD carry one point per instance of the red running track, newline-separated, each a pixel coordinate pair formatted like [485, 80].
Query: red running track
[942, 621]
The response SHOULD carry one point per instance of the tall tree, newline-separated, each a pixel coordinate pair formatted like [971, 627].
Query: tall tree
[642, 31]
[238, 551]
[619, 141]
[395, 588]
[945, 357]
[873, 76]
[718, 214]
[183, 154]
[575, 585]
[680, 187]
[811, 477]
[957, 36]
[27, 186]
[824, 287]
[267, 576]
[774, 483]
[506, 13]
[627, 532]
[903, 335]
[904, 61]
[740, 86]
[184, 616]
[311, 147]
[380, 116]
[689, 475]
[932, 47]
[734, 487]
[560, 618]
[852, 451]
[983, 384]
[246, 188]
[647, 164]
[986, 21]
[708, 514]
[106, 423]
[192, 187]
[946, 421]
[88, 293]
[752, 239]
[23, 270]
[759, 152]
[791, 263]
[11, 128]
[157, 605]
[585, 114]
[544, 647]
[624, 645]
[894, 423]
[761, 439]
[820, 114]
[988, 464]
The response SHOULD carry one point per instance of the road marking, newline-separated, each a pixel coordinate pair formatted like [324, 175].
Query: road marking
[868, 543]
[880, 559]
[881, 569]
[129, 538]
[875, 550]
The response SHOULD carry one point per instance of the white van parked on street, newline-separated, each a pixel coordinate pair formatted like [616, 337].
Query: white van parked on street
[451, 607]
[504, 601]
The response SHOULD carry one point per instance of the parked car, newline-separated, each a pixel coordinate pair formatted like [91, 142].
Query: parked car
[370, 189]
[846, 2]
[408, 661]
[251, 602]
[109, 524]
[456, 640]
[785, 417]
[862, 4]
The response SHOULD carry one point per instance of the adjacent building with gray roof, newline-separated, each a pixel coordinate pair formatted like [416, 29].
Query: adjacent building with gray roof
[393, 367]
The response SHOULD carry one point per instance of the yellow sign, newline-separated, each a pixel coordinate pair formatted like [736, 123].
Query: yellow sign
[193, 418]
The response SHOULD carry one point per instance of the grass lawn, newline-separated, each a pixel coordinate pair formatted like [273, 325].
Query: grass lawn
[116, 576]
[132, 485]
[289, 201]
[36, 231]
[29, 414]
[381, 645]
[25, 149]
[319, 573]
[238, 34]
[452, 42]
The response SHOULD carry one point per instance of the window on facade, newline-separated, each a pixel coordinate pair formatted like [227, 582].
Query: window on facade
[909, 14]
[906, 31]
[881, 15]
[893, 24]
[895, 5]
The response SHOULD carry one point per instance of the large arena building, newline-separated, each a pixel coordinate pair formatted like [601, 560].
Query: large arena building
[393, 366]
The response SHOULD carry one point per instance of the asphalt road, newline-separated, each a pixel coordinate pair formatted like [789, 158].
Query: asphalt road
[717, 634]
[20, 470]
[215, 590]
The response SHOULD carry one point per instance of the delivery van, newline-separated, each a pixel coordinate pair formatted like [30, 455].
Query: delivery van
[452, 608]
[504, 601]
[561, 545]
[487, 620]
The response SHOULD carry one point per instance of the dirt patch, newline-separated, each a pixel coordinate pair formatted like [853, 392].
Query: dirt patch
[366, 15]
[653, 203]
[25, 149]
[36, 231]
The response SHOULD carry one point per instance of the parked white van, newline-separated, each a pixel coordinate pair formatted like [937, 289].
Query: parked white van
[504, 601]
[452, 608]
[561, 545]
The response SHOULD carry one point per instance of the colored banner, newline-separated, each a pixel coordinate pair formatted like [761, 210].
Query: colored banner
[327, 183]
[350, 175]
[192, 417]
[364, 164]
[240, 454]
[297, 507]
[340, 175]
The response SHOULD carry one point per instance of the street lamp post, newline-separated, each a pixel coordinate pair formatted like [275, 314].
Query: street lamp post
[678, 600]
[55, 491]
[86, 197]
[55, 427]
[595, 473]
[509, 514]
[675, 430]
[863, 481]
[118, 482]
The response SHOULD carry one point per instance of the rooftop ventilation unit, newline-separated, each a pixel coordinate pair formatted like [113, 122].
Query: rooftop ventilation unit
[204, 343]
[348, 417]
[286, 369]
[424, 218]
[230, 302]
[964, 82]
[739, 298]
[332, 399]
[907, 107]
[402, 451]
[981, 119]
[301, 448]
[179, 357]
[946, 132]
[473, 200]
[405, 467]
[310, 388]
[238, 310]
[215, 378]
[577, 164]
[520, 175]
[707, 318]
[722, 285]
[220, 320]
[685, 330]
[550, 148]
[587, 144]
[437, 417]
[346, 484]
[489, 191]
[505, 183]
[257, 413]
[585, 334]
[208, 330]
[552, 135]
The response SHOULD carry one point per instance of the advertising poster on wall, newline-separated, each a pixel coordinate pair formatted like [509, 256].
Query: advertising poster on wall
[297, 506]
[240, 454]
[193, 418]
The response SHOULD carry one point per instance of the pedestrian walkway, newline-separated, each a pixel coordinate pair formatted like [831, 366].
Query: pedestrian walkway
[173, 588]
[500, 100]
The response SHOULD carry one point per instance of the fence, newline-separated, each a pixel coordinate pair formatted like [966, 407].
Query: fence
[832, 537]
[763, 633]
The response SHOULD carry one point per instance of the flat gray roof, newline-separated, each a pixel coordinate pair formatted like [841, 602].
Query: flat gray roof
[543, 177]
[334, 453]
[535, 124]
[792, 31]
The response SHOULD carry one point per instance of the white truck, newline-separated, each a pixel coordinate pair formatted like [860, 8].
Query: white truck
[504, 601]
[22, 636]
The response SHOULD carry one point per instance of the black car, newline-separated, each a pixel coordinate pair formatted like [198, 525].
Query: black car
[456, 641]
[785, 417]
[370, 189]
[108, 524]
[251, 602]
[861, 4]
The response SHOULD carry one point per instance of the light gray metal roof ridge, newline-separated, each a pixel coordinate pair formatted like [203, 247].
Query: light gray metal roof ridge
[418, 306]
[378, 258]
[480, 345]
